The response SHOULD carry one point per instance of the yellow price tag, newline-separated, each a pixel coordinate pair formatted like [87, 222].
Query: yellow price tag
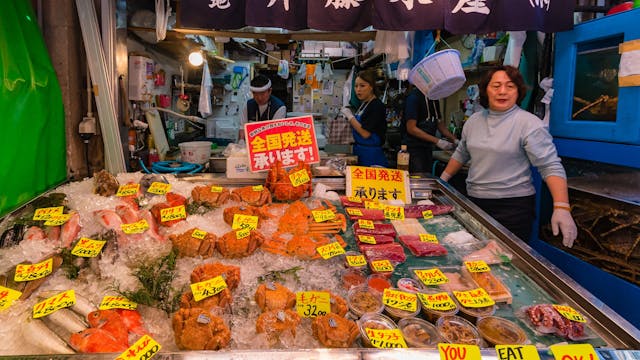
[373, 205]
[143, 349]
[367, 239]
[173, 213]
[313, 303]
[432, 238]
[353, 211]
[517, 352]
[400, 300]
[198, 234]
[207, 288]
[28, 272]
[86, 247]
[393, 212]
[427, 214]
[385, 338]
[330, 250]
[159, 188]
[323, 215]
[54, 303]
[216, 189]
[431, 276]
[57, 219]
[366, 224]
[299, 177]
[128, 189]
[241, 221]
[117, 302]
[459, 351]
[242, 233]
[573, 351]
[355, 199]
[475, 298]
[438, 302]
[477, 266]
[569, 313]
[257, 188]
[7, 297]
[382, 266]
[356, 260]
[137, 227]
[46, 213]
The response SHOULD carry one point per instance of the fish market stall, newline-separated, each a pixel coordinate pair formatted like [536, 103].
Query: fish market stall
[254, 268]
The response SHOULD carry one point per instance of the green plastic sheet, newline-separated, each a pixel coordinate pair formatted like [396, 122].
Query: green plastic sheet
[32, 138]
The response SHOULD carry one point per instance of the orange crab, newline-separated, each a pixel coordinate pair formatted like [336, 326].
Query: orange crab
[173, 200]
[230, 273]
[197, 329]
[211, 195]
[256, 195]
[216, 304]
[300, 246]
[234, 245]
[298, 219]
[261, 212]
[334, 331]
[280, 183]
[190, 246]
[274, 296]
[338, 304]
[276, 322]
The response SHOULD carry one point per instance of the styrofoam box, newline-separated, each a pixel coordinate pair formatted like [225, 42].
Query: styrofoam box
[238, 168]
[349, 52]
[332, 52]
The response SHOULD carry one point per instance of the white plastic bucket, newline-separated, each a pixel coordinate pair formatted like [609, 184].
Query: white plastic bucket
[438, 75]
[197, 152]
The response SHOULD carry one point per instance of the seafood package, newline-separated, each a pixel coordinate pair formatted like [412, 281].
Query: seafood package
[490, 252]
[491, 284]
[422, 248]
[545, 319]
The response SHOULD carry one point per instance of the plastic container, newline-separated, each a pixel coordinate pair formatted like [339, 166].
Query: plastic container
[456, 330]
[352, 277]
[473, 314]
[378, 282]
[433, 315]
[361, 300]
[438, 75]
[419, 333]
[398, 314]
[197, 152]
[409, 285]
[499, 331]
[373, 321]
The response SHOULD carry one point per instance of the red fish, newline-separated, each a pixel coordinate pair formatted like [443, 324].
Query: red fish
[70, 230]
[133, 321]
[95, 340]
[127, 214]
[34, 233]
[112, 322]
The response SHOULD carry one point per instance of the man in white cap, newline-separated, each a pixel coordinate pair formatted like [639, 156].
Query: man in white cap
[263, 106]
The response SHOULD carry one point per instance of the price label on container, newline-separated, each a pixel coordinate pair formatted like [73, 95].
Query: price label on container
[54, 303]
[353, 211]
[356, 260]
[143, 349]
[330, 250]
[46, 213]
[438, 302]
[242, 233]
[385, 338]
[86, 247]
[7, 297]
[569, 313]
[475, 298]
[117, 302]
[432, 238]
[455, 351]
[128, 189]
[137, 227]
[427, 214]
[241, 221]
[299, 177]
[375, 205]
[366, 224]
[28, 272]
[207, 288]
[355, 199]
[313, 303]
[323, 215]
[431, 276]
[517, 352]
[477, 266]
[400, 300]
[198, 234]
[173, 213]
[367, 239]
[382, 266]
[393, 212]
[574, 351]
[57, 220]
[159, 188]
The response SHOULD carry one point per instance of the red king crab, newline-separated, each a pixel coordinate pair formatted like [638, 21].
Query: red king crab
[190, 246]
[230, 273]
[334, 331]
[256, 195]
[279, 182]
[274, 296]
[234, 245]
[197, 329]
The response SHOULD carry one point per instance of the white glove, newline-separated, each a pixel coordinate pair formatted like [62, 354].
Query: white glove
[445, 145]
[561, 220]
[346, 112]
[445, 176]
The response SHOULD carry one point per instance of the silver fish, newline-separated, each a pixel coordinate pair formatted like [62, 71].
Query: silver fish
[67, 319]
[39, 335]
[83, 306]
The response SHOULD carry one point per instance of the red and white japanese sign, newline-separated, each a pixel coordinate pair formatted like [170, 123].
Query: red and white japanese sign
[288, 140]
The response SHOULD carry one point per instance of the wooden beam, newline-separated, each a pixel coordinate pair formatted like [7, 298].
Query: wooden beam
[361, 36]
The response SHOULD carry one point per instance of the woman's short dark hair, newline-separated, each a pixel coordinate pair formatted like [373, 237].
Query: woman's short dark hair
[369, 76]
[512, 73]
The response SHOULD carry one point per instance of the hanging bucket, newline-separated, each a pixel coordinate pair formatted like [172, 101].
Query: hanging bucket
[438, 75]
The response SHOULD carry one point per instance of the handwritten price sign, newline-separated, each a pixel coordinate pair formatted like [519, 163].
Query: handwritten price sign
[87, 247]
[159, 188]
[477, 266]
[438, 302]
[242, 233]
[46, 213]
[313, 303]
[207, 288]
[143, 349]
[431, 276]
[382, 266]
[299, 177]
[427, 214]
[57, 219]
[353, 211]
[367, 239]
[128, 190]
[569, 313]
[323, 215]
[7, 297]
[173, 213]
[54, 303]
[241, 221]
[117, 302]
[137, 227]
[366, 224]
[475, 298]
[355, 199]
[394, 212]
[385, 338]
[428, 238]
[373, 205]
[356, 260]
[400, 300]
[330, 250]
[28, 272]
[198, 234]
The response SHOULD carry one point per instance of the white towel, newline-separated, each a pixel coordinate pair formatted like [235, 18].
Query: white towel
[204, 104]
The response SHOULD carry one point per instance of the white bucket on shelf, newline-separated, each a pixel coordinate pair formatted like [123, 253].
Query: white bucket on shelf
[197, 152]
[438, 75]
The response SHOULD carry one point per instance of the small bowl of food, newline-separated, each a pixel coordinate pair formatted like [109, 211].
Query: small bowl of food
[419, 333]
[409, 285]
[437, 309]
[456, 330]
[362, 300]
[474, 313]
[500, 331]
[397, 313]
[352, 277]
[373, 321]
[378, 282]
